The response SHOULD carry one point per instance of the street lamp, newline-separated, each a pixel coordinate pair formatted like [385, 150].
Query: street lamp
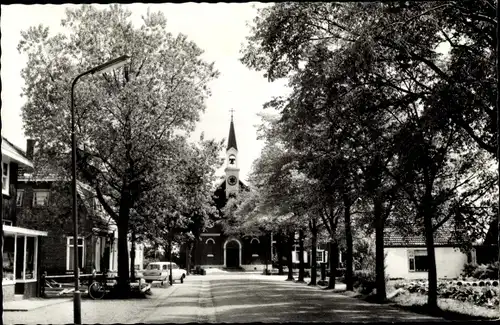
[112, 64]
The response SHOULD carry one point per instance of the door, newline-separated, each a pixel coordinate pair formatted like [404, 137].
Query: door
[232, 254]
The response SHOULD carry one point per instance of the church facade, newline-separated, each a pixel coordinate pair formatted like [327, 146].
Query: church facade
[214, 248]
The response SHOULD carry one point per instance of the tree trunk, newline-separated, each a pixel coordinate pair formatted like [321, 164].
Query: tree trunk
[132, 257]
[431, 258]
[334, 261]
[379, 251]
[123, 259]
[289, 251]
[301, 256]
[189, 246]
[314, 243]
[194, 252]
[279, 251]
[170, 278]
[348, 238]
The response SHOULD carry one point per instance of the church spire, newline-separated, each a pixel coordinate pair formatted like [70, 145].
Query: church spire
[231, 142]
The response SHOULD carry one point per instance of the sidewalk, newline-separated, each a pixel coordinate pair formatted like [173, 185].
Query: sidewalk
[33, 303]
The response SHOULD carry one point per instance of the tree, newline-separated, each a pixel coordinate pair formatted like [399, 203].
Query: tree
[130, 122]
[179, 207]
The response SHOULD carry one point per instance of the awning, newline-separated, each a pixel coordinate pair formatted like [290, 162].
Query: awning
[13, 154]
[23, 231]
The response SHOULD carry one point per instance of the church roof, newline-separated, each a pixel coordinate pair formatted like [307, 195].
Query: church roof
[231, 142]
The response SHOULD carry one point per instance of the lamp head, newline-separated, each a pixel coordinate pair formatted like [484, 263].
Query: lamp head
[110, 65]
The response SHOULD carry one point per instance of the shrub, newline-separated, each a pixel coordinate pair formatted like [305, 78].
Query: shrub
[480, 296]
[364, 280]
[481, 271]
[468, 270]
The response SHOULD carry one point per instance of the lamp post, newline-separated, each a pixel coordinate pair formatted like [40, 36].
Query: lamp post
[112, 64]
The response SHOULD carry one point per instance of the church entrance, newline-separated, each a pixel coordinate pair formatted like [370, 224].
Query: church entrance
[232, 254]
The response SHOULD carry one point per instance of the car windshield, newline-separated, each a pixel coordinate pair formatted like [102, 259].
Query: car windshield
[153, 267]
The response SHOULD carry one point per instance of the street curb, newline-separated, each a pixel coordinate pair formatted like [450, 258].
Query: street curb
[48, 303]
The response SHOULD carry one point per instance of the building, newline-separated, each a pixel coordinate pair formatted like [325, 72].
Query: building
[406, 256]
[214, 248]
[46, 202]
[21, 245]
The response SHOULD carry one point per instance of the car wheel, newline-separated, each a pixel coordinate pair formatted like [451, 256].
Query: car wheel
[182, 278]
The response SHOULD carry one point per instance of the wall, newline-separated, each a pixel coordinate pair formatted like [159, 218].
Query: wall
[8, 292]
[53, 254]
[218, 251]
[449, 263]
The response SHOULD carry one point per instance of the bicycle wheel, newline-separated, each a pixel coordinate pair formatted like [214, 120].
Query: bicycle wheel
[96, 290]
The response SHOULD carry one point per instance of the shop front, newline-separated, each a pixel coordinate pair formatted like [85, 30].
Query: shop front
[20, 262]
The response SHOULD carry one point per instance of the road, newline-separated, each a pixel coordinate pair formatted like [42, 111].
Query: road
[228, 298]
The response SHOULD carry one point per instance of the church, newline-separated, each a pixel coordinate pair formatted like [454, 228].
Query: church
[214, 249]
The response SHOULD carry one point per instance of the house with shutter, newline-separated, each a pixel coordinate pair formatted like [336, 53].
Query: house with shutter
[406, 256]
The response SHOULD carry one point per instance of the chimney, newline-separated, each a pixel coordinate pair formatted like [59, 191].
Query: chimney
[30, 146]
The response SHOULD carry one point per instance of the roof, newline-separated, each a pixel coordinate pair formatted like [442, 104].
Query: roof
[15, 153]
[442, 237]
[23, 231]
[231, 142]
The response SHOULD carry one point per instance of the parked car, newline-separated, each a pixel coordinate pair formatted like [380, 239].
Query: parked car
[160, 271]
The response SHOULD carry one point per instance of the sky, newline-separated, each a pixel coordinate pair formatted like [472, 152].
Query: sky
[219, 29]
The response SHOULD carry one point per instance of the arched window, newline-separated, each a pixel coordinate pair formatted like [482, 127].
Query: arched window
[210, 242]
[254, 243]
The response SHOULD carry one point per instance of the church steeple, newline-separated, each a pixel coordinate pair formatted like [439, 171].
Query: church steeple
[232, 170]
[231, 142]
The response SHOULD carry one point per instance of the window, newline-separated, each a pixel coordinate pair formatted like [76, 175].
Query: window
[5, 178]
[20, 255]
[210, 247]
[30, 259]
[19, 259]
[418, 260]
[232, 159]
[19, 198]
[320, 256]
[164, 266]
[8, 257]
[255, 247]
[40, 197]
[7, 222]
[70, 250]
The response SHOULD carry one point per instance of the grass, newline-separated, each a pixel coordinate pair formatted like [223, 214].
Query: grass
[450, 309]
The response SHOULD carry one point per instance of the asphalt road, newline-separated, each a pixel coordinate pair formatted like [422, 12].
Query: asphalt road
[230, 298]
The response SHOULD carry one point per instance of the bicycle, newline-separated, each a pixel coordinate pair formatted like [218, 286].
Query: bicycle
[98, 289]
